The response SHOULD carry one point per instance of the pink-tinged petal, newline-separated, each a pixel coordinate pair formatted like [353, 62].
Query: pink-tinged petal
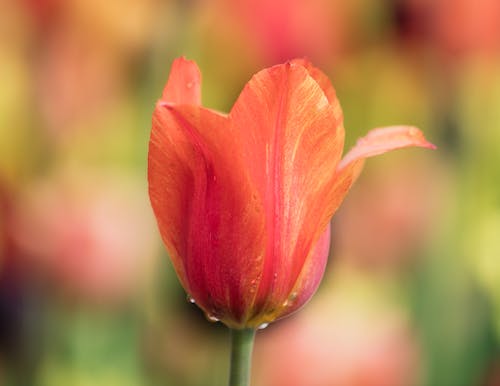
[382, 140]
[208, 213]
[184, 83]
[306, 285]
[310, 276]
[291, 142]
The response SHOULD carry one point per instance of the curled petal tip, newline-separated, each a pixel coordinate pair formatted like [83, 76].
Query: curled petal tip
[414, 135]
[382, 140]
[404, 135]
[429, 145]
[162, 103]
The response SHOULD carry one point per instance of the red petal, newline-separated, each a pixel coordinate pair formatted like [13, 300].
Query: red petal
[184, 83]
[209, 214]
[379, 141]
[291, 142]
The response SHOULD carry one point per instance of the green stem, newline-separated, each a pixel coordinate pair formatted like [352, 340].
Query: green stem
[241, 357]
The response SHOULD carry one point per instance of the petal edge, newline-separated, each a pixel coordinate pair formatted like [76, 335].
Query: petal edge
[184, 83]
[382, 140]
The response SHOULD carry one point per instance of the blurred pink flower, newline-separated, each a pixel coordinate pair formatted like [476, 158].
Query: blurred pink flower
[391, 216]
[456, 28]
[77, 81]
[467, 27]
[84, 57]
[338, 344]
[285, 29]
[93, 236]
[43, 13]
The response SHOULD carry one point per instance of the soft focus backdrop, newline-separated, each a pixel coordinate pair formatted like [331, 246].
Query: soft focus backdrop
[411, 296]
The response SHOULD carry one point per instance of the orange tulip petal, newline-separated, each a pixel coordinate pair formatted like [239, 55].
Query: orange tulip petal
[325, 84]
[208, 213]
[291, 142]
[184, 83]
[382, 140]
[171, 169]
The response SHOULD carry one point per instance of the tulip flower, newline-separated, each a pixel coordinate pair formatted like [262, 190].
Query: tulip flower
[244, 200]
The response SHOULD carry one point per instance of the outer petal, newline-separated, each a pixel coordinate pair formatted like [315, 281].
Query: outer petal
[307, 282]
[184, 83]
[382, 140]
[325, 84]
[291, 140]
[377, 141]
[310, 277]
[209, 214]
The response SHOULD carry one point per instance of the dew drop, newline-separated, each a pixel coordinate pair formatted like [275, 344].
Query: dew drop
[290, 300]
[190, 299]
[189, 84]
[212, 318]
[262, 326]
[253, 285]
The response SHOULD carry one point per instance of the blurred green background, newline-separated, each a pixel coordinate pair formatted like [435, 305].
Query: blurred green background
[411, 295]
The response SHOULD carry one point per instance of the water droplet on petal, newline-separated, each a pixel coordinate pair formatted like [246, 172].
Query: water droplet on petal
[189, 84]
[262, 326]
[212, 318]
[253, 285]
[290, 300]
[190, 299]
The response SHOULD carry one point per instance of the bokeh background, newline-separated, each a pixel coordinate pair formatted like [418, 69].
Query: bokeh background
[87, 295]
